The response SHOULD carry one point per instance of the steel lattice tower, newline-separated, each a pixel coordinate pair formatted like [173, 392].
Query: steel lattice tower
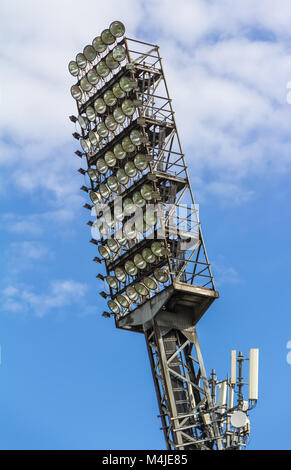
[158, 275]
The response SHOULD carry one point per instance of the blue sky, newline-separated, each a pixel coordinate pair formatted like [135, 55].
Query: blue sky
[68, 378]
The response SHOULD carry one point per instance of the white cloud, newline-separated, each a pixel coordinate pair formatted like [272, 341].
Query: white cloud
[61, 293]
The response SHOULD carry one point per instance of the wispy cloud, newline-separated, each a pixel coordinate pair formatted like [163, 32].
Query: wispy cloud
[59, 294]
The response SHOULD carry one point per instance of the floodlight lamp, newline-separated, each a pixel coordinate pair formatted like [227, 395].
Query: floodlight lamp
[119, 53]
[101, 166]
[148, 255]
[123, 300]
[140, 161]
[112, 184]
[90, 113]
[113, 245]
[83, 122]
[127, 145]
[93, 77]
[161, 275]
[111, 63]
[131, 293]
[141, 289]
[120, 275]
[90, 53]
[76, 93]
[100, 106]
[109, 98]
[81, 60]
[104, 251]
[85, 85]
[102, 129]
[102, 69]
[130, 169]
[119, 152]
[136, 137]
[118, 92]
[130, 231]
[110, 123]
[93, 174]
[73, 68]
[127, 84]
[110, 159]
[128, 206]
[138, 200]
[119, 115]
[86, 145]
[130, 268]
[150, 283]
[117, 29]
[147, 192]
[158, 249]
[128, 107]
[94, 138]
[112, 282]
[104, 191]
[99, 45]
[114, 306]
[95, 197]
[139, 261]
[107, 37]
[122, 177]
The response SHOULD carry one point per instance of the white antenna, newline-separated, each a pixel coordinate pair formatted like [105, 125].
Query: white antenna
[222, 396]
[233, 367]
[253, 373]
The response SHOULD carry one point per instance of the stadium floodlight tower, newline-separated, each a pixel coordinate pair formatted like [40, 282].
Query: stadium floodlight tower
[158, 278]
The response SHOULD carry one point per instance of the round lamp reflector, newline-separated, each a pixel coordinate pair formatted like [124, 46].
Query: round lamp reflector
[100, 106]
[73, 68]
[139, 261]
[101, 166]
[131, 293]
[76, 92]
[140, 161]
[119, 115]
[117, 29]
[118, 92]
[119, 53]
[119, 152]
[130, 268]
[141, 289]
[122, 177]
[120, 274]
[90, 53]
[127, 145]
[150, 283]
[99, 45]
[107, 37]
[111, 63]
[110, 159]
[102, 69]
[90, 113]
[104, 251]
[109, 98]
[114, 307]
[148, 255]
[81, 60]
[161, 275]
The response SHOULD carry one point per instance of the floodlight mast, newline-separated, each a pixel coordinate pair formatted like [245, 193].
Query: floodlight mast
[147, 230]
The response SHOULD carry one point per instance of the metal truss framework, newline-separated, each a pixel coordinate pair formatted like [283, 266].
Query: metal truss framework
[186, 406]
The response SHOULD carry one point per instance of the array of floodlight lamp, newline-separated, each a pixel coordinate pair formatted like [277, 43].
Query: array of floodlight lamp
[124, 190]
